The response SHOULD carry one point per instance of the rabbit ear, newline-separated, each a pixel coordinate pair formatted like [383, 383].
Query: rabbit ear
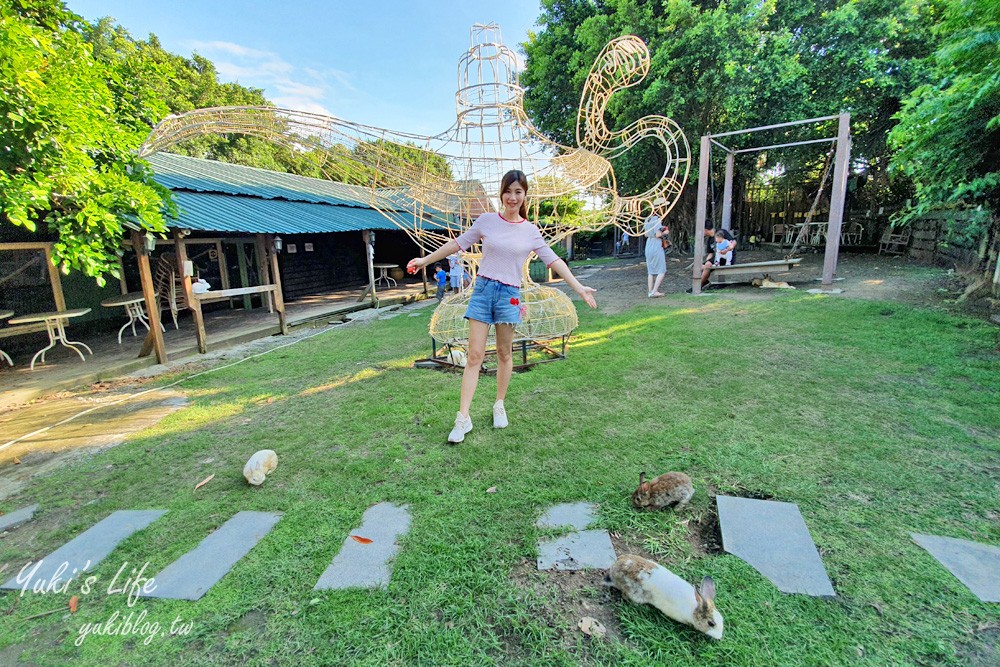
[642, 478]
[707, 589]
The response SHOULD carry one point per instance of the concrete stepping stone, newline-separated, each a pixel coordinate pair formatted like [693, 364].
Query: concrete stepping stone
[975, 564]
[359, 565]
[588, 549]
[578, 515]
[86, 550]
[17, 517]
[772, 537]
[190, 576]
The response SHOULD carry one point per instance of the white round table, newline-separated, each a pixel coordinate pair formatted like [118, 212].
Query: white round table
[133, 303]
[55, 323]
[384, 273]
[4, 314]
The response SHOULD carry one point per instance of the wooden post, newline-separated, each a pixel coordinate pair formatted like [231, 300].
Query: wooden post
[837, 197]
[193, 303]
[727, 193]
[121, 276]
[154, 337]
[262, 243]
[423, 271]
[244, 276]
[279, 298]
[55, 278]
[701, 212]
[366, 236]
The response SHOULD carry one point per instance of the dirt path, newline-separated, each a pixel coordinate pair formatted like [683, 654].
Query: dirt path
[622, 284]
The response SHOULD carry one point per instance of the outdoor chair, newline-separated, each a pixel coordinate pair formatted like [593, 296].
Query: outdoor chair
[894, 240]
[851, 234]
[169, 288]
[778, 232]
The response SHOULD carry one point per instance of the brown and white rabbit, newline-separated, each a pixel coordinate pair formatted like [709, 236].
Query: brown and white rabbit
[644, 582]
[259, 466]
[670, 488]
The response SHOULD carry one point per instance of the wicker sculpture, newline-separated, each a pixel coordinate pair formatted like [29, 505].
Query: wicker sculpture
[443, 182]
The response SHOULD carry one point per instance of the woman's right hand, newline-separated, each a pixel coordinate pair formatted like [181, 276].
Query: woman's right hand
[415, 265]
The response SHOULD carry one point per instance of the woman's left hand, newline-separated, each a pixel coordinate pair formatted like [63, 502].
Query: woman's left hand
[587, 294]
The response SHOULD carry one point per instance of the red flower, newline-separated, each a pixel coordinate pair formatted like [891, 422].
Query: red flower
[515, 301]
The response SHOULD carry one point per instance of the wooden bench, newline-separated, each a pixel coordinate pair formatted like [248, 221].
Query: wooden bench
[743, 273]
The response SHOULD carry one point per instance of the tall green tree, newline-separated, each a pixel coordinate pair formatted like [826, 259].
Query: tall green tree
[68, 159]
[948, 137]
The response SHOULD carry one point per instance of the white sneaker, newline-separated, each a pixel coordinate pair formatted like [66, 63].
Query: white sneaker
[462, 426]
[499, 415]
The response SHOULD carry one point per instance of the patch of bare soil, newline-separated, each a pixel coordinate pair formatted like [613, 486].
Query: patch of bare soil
[983, 651]
[623, 284]
[33, 445]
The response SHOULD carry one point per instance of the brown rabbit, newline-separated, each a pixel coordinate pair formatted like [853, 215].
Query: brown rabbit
[668, 490]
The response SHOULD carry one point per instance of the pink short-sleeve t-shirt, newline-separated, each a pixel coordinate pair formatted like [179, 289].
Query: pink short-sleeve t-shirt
[506, 246]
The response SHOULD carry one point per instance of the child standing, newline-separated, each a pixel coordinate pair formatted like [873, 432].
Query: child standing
[507, 239]
[442, 280]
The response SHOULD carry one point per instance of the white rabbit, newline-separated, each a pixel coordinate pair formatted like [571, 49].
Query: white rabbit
[259, 466]
[644, 582]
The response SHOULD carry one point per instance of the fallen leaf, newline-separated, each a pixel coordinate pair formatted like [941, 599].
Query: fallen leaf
[17, 461]
[204, 482]
[362, 540]
[73, 602]
[591, 627]
[270, 399]
[492, 489]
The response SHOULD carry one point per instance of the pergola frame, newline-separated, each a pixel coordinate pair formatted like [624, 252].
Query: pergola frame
[837, 197]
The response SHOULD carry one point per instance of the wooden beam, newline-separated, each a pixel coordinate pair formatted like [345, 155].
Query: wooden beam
[263, 272]
[837, 198]
[154, 338]
[193, 304]
[241, 260]
[727, 193]
[55, 277]
[279, 299]
[701, 212]
[369, 240]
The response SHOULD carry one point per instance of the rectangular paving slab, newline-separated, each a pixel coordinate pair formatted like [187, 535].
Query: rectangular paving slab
[773, 538]
[588, 549]
[17, 517]
[86, 550]
[974, 564]
[577, 515]
[190, 576]
[367, 565]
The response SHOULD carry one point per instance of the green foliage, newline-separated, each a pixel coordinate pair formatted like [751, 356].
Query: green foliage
[948, 137]
[717, 67]
[69, 132]
[394, 164]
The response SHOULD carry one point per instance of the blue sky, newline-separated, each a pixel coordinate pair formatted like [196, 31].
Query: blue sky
[384, 63]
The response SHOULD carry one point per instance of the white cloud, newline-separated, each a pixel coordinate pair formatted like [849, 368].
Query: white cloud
[288, 87]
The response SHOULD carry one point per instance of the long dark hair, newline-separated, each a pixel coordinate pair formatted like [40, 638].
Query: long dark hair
[508, 179]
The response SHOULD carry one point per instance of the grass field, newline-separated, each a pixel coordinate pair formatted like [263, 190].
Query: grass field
[876, 419]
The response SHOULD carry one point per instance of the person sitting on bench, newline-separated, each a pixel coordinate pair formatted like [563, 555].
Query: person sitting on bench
[706, 268]
[724, 247]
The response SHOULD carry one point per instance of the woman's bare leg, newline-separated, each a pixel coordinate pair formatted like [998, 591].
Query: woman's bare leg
[478, 331]
[505, 358]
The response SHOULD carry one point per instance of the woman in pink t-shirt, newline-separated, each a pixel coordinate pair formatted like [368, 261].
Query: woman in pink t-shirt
[507, 239]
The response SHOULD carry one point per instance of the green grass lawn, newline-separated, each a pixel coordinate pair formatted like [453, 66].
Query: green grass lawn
[875, 418]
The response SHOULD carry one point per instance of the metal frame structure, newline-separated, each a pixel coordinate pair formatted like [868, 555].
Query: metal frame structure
[837, 197]
[492, 135]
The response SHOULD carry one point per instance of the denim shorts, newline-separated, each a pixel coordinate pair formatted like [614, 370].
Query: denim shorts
[491, 302]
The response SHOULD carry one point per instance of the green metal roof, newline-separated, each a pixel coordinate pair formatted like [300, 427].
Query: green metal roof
[211, 212]
[221, 197]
